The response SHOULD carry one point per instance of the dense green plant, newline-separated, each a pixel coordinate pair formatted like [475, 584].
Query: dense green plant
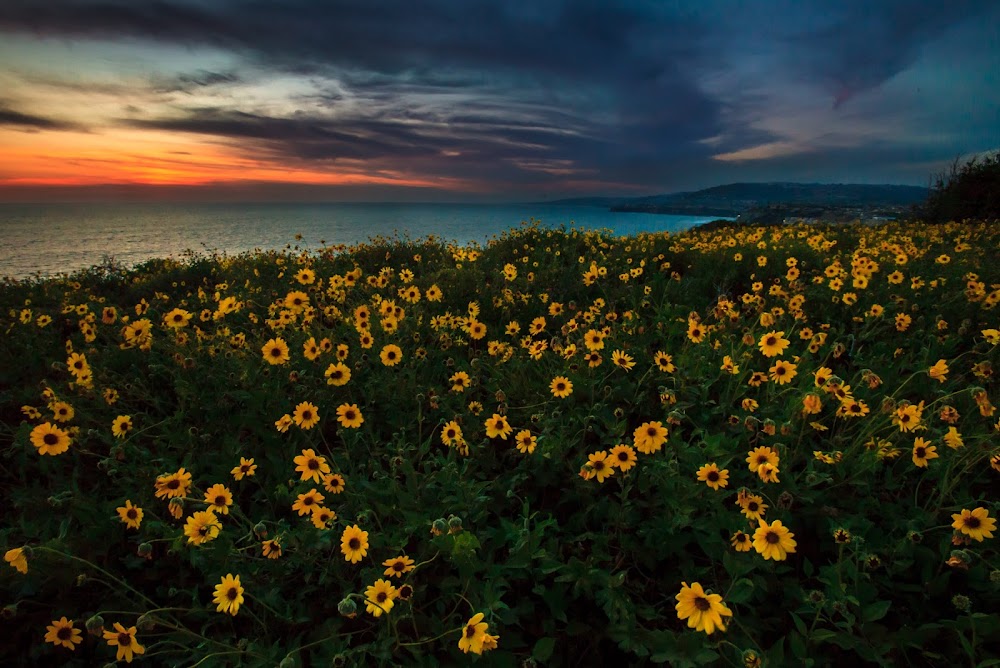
[661, 369]
[967, 191]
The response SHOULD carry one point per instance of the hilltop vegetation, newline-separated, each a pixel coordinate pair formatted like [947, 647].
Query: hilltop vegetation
[753, 446]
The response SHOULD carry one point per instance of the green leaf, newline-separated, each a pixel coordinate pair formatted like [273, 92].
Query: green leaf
[543, 649]
[741, 591]
[875, 611]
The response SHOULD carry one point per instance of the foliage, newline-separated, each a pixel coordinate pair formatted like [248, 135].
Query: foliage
[567, 563]
[968, 191]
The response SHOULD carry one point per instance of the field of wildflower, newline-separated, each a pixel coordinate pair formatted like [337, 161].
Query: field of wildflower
[745, 446]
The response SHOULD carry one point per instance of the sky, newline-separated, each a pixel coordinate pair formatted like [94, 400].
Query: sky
[469, 100]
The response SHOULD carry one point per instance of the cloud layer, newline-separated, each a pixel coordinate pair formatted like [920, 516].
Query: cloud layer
[507, 99]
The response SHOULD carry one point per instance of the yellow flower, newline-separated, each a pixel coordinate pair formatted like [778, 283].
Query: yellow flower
[773, 344]
[130, 515]
[923, 452]
[713, 477]
[561, 387]
[782, 372]
[474, 635]
[600, 466]
[397, 566]
[773, 541]
[124, 640]
[307, 503]
[275, 351]
[311, 466]
[939, 371]
[228, 594]
[219, 498]
[976, 524]
[391, 355]
[953, 439]
[62, 633]
[283, 423]
[271, 548]
[741, 542]
[246, 468]
[649, 437]
[177, 318]
[622, 360]
[173, 485]
[908, 417]
[703, 612]
[349, 416]
[306, 415]
[202, 527]
[525, 442]
[497, 426]
[354, 544]
[380, 597]
[337, 374]
[17, 560]
[121, 426]
[49, 439]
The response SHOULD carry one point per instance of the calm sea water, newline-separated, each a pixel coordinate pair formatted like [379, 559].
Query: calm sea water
[48, 239]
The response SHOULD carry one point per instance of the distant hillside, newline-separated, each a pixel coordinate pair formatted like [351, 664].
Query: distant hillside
[736, 198]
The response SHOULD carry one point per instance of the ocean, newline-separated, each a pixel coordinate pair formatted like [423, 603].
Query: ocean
[49, 239]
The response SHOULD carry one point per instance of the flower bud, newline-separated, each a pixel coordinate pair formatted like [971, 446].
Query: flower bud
[95, 625]
[348, 608]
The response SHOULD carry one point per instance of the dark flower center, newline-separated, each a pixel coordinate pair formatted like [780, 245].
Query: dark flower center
[702, 603]
[651, 431]
[920, 452]
[772, 537]
[125, 639]
[64, 633]
[470, 631]
[398, 566]
[307, 415]
[275, 352]
[173, 484]
[752, 506]
[741, 537]
[349, 415]
[972, 522]
[381, 597]
[220, 500]
[313, 464]
[713, 476]
[50, 439]
[354, 544]
[770, 341]
[232, 594]
[131, 514]
[203, 531]
[308, 501]
[780, 371]
[598, 465]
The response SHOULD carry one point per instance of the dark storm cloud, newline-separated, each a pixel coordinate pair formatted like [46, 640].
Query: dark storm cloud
[10, 117]
[538, 92]
[865, 44]
[619, 71]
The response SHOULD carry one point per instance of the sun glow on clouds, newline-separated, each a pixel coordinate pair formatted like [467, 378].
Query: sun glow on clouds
[163, 158]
